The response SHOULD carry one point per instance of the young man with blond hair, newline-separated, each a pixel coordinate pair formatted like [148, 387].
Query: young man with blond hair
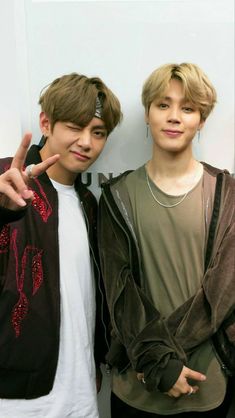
[166, 239]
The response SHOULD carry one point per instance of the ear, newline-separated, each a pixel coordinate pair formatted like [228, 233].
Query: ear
[45, 124]
[202, 123]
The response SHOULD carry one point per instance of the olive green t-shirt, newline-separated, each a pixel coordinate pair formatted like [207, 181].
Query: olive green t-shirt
[172, 245]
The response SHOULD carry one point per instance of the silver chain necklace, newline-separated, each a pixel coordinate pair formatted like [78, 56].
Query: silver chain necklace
[160, 203]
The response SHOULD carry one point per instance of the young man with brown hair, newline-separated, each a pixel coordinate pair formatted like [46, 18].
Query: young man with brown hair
[51, 295]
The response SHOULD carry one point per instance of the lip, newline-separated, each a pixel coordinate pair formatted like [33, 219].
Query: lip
[172, 133]
[80, 157]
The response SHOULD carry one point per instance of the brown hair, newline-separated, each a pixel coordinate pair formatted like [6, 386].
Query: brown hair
[72, 98]
[198, 89]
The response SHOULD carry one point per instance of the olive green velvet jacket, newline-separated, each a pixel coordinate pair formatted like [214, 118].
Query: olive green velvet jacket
[141, 337]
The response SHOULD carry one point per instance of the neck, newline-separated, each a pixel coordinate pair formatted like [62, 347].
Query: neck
[171, 165]
[61, 176]
[175, 174]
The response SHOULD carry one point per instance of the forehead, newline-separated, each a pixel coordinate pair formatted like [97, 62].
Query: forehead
[175, 89]
[97, 122]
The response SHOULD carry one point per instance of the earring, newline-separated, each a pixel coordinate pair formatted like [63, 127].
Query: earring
[147, 130]
[198, 135]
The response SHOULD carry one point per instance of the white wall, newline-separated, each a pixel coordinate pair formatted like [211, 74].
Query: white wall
[9, 105]
[122, 42]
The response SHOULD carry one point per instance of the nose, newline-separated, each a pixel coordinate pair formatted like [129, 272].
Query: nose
[84, 139]
[174, 115]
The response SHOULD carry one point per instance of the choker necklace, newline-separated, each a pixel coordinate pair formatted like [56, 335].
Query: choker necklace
[160, 203]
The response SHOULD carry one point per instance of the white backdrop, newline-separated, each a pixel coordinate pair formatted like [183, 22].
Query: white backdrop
[122, 42]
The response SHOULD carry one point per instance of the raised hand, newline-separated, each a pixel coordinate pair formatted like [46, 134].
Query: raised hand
[14, 191]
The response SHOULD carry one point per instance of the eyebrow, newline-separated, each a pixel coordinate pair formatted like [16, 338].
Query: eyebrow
[183, 100]
[99, 127]
[163, 98]
[103, 126]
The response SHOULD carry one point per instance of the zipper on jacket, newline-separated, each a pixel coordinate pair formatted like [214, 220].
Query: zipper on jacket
[223, 366]
[128, 239]
[98, 281]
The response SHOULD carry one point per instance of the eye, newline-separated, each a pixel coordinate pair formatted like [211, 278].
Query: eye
[163, 106]
[74, 128]
[100, 134]
[188, 109]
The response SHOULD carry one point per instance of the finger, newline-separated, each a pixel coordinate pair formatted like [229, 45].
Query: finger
[190, 391]
[195, 389]
[15, 198]
[186, 390]
[173, 393]
[19, 158]
[40, 168]
[13, 178]
[14, 188]
[192, 374]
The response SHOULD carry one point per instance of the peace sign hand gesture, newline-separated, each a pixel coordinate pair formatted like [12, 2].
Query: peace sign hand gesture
[14, 191]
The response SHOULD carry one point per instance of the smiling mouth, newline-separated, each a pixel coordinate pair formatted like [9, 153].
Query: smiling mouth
[80, 157]
[172, 133]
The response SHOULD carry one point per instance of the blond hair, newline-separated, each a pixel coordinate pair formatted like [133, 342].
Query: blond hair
[198, 89]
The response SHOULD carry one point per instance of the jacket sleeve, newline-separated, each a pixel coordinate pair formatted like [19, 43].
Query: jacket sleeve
[136, 323]
[200, 317]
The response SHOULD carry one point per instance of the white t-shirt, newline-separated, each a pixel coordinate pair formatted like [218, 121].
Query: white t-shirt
[74, 391]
